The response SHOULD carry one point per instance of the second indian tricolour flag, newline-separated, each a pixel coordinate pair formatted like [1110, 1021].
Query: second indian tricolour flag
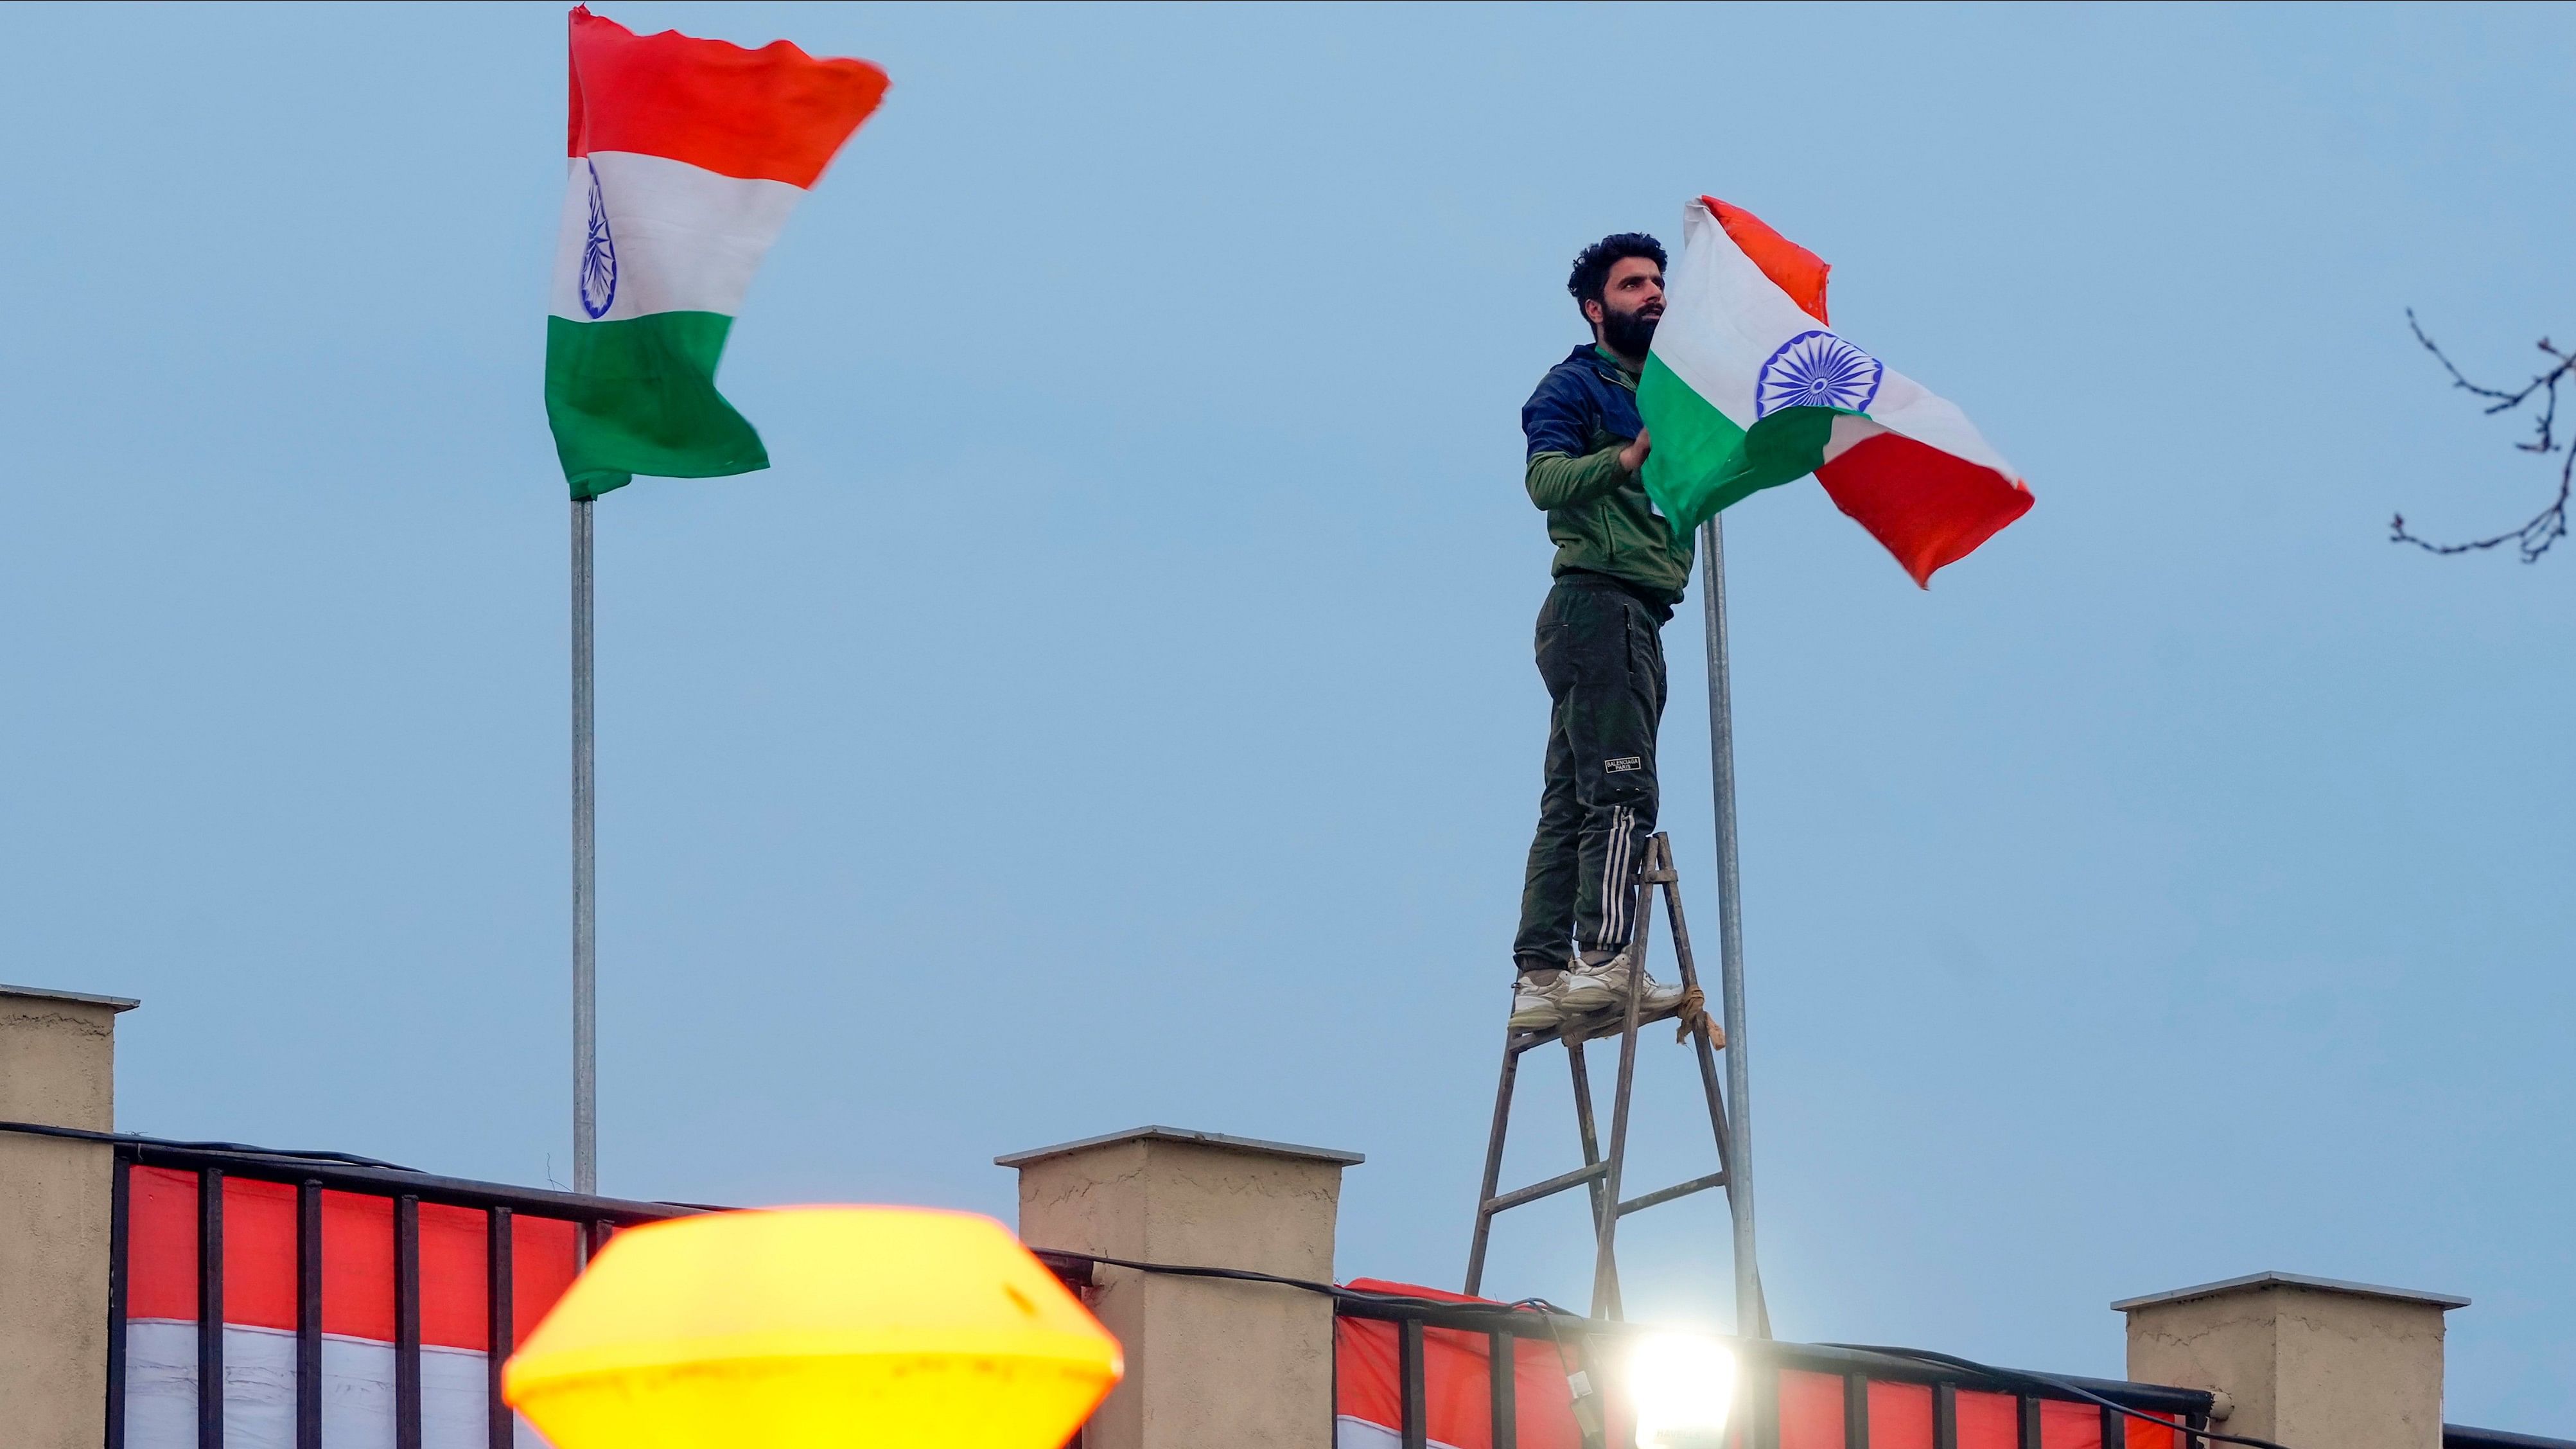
[1749, 387]
[686, 157]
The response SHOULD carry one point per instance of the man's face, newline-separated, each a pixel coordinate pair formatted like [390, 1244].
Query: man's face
[1632, 302]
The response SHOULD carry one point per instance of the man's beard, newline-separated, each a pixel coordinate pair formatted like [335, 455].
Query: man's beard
[1627, 333]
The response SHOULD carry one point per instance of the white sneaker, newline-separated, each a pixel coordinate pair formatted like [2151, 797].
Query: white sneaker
[1609, 982]
[1659, 996]
[1584, 989]
[1534, 1003]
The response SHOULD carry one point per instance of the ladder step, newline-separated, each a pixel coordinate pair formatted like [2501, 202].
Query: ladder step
[1601, 1025]
[1537, 1190]
[1679, 1189]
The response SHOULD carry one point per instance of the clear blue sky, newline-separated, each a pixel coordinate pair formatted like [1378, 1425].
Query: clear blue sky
[1116, 704]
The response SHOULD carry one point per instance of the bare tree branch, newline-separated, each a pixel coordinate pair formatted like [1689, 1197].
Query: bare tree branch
[2548, 525]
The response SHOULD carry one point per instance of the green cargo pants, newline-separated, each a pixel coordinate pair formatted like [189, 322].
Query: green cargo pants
[1601, 653]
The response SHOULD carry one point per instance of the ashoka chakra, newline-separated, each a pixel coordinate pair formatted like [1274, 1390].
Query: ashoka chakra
[598, 255]
[1817, 370]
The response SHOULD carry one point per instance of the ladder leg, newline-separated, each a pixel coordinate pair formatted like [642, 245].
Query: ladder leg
[1493, 1165]
[1701, 1048]
[1582, 1077]
[1605, 1267]
[1605, 1262]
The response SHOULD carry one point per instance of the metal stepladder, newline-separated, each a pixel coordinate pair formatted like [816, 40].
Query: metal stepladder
[1600, 1174]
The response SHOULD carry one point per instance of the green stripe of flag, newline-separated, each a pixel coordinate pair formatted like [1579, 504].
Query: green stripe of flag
[1703, 463]
[639, 396]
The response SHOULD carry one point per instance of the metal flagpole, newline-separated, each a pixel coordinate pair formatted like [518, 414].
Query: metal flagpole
[1752, 1319]
[585, 897]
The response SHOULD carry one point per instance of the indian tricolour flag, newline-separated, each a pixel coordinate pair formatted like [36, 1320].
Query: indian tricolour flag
[1749, 387]
[686, 158]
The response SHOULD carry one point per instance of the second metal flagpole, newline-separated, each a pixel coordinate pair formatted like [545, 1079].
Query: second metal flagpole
[585, 902]
[1752, 1319]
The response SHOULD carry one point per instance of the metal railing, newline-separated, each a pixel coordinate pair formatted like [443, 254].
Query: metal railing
[592, 1220]
[1761, 1365]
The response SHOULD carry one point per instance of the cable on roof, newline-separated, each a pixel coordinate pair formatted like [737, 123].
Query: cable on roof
[133, 1139]
[1333, 1291]
[2051, 1382]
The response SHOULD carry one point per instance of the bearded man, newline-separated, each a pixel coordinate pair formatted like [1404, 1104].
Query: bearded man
[1619, 572]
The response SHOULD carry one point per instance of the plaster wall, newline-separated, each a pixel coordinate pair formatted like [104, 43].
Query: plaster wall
[57, 1067]
[2303, 1365]
[1208, 1361]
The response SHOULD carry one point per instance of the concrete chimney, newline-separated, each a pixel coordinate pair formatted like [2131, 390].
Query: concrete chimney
[1246, 1365]
[2309, 1362]
[57, 1069]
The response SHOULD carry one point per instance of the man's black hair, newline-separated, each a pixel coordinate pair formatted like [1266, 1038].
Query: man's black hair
[1592, 267]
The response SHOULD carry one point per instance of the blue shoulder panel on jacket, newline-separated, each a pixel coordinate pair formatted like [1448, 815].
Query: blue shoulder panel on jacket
[1571, 401]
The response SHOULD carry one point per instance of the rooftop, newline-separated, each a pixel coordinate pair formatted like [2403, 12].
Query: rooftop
[1183, 1134]
[2445, 1301]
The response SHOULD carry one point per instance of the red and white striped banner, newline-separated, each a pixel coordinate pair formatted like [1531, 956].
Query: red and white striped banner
[1368, 1409]
[259, 1315]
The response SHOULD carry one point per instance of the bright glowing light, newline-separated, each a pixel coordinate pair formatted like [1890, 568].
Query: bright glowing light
[1682, 1386]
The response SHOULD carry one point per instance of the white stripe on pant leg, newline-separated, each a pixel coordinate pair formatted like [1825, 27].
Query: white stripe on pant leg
[1608, 919]
[1626, 877]
[1614, 867]
[1601, 917]
[1627, 869]
[1613, 856]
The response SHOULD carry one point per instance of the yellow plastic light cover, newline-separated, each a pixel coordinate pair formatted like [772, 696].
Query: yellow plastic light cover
[812, 1328]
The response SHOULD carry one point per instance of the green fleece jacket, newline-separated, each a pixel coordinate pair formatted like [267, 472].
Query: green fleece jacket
[1583, 413]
